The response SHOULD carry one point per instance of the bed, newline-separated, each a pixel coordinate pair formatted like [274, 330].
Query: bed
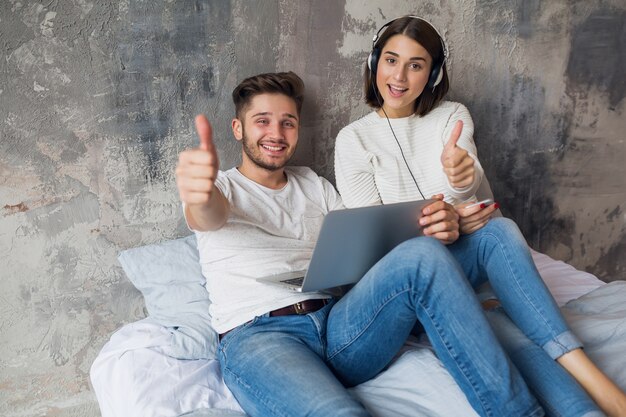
[164, 365]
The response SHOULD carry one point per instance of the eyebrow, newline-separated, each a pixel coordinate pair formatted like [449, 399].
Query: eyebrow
[268, 113]
[414, 58]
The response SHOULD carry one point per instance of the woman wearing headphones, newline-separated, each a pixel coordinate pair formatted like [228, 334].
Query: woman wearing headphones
[416, 144]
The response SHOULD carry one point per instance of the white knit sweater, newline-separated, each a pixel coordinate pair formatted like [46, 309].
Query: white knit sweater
[369, 168]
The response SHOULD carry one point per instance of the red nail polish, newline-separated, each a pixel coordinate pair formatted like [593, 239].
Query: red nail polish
[496, 205]
[482, 206]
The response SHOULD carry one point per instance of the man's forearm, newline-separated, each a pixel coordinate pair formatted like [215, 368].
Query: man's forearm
[210, 216]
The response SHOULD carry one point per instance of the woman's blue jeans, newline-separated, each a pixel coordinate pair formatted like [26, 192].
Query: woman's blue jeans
[557, 391]
[499, 251]
[300, 365]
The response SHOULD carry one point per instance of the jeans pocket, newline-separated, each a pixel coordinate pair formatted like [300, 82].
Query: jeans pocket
[231, 335]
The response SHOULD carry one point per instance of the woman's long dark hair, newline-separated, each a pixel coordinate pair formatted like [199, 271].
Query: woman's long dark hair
[423, 33]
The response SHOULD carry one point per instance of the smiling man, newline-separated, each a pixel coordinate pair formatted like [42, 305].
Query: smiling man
[266, 144]
[286, 353]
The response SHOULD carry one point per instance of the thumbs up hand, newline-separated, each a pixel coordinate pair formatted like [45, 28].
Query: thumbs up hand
[457, 163]
[197, 168]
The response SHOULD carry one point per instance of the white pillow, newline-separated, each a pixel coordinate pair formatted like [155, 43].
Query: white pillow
[168, 275]
[563, 280]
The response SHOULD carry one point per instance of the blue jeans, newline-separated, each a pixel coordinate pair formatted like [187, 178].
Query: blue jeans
[498, 252]
[536, 332]
[300, 365]
[557, 391]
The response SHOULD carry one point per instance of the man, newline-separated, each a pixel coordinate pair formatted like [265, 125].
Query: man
[291, 354]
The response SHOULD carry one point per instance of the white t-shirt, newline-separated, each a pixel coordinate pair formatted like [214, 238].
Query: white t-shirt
[267, 232]
[369, 167]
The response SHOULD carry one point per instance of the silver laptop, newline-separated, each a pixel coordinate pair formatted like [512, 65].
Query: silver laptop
[350, 242]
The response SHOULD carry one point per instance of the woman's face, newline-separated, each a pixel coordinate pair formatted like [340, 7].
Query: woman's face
[402, 74]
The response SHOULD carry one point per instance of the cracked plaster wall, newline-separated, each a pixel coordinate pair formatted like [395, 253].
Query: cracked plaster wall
[97, 99]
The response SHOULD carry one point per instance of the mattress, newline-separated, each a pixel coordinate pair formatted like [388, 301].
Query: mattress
[135, 376]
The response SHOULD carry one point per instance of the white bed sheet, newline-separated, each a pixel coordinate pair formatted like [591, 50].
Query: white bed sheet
[564, 281]
[133, 375]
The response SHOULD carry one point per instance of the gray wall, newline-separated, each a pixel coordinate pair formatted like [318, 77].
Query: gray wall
[97, 99]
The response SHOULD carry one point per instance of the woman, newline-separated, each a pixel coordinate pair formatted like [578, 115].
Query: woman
[414, 145]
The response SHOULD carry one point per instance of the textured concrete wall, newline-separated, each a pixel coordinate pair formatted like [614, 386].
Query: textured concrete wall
[97, 99]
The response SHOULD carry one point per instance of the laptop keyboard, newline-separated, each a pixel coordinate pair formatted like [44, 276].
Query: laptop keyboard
[293, 281]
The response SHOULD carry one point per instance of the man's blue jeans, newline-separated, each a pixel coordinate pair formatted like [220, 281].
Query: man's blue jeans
[300, 365]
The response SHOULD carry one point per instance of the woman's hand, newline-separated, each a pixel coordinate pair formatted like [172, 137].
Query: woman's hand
[473, 218]
[458, 165]
[440, 220]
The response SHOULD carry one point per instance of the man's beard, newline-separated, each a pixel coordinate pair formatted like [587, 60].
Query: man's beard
[256, 158]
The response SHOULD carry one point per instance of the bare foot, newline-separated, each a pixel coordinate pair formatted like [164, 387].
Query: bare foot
[609, 397]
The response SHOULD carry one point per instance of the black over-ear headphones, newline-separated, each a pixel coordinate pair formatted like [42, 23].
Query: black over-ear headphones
[436, 72]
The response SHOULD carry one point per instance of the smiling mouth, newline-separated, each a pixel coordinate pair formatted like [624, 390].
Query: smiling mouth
[396, 91]
[273, 148]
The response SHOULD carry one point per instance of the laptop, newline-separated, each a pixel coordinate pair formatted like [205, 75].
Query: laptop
[350, 242]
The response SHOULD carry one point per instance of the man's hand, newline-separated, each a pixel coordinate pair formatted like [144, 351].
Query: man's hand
[440, 221]
[197, 168]
[195, 177]
[457, 164]
[473, 218]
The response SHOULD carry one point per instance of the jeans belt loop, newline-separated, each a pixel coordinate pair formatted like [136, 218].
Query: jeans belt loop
[299, 308]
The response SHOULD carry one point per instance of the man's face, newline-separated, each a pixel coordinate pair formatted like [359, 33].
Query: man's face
[269, 131]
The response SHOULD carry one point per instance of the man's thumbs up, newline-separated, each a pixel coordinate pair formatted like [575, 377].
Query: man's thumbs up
[205, 132]
[197, 168]
[457, 164]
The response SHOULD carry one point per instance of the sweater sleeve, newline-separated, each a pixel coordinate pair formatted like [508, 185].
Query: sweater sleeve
[354, 172]
[466, 141]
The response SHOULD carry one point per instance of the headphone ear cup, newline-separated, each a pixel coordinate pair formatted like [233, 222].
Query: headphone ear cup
[372, 60]
[436, 75]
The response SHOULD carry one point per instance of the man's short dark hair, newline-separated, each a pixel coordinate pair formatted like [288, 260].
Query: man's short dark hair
[286, 83]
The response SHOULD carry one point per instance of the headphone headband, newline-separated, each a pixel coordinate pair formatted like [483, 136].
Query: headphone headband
[443, 43]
